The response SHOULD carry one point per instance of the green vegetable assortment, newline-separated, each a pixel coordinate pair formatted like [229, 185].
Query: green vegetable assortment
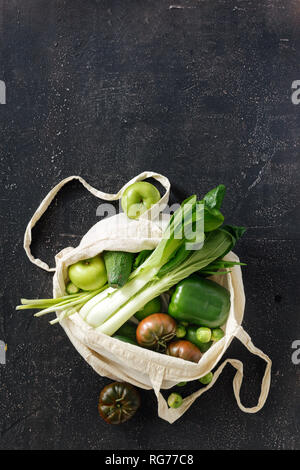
[114, 287]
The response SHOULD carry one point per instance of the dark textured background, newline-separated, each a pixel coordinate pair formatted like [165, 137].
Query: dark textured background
[199, 90]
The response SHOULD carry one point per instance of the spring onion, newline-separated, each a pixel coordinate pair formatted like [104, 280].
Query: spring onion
[66, 305]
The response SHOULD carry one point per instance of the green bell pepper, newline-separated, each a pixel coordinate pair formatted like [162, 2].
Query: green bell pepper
[201, 302]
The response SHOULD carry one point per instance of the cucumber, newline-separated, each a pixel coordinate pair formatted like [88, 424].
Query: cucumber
[118, 267]
[141, 257]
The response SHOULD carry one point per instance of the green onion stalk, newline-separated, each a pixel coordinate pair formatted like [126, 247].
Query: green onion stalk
[63, 306]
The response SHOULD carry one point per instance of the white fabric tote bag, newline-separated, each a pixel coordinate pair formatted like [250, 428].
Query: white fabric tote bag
[121, 361]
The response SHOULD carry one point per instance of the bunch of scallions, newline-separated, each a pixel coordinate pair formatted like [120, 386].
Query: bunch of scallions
[194, 239]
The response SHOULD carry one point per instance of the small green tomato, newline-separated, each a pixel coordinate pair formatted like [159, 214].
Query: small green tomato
[181, 384]
[180, 331]
[217, 334]
[71, 288]
[203, 334]
[184, 323]
[174, 400]
[206, 379]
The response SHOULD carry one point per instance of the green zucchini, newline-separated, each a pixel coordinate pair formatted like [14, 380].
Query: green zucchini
[118, 267]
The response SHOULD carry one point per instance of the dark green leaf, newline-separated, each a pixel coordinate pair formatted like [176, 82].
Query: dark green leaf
[213, 219]
[235, 232]
[214, 198]
[141, 257]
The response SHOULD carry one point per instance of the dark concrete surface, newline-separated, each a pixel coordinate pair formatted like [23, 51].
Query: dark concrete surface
[199, 90]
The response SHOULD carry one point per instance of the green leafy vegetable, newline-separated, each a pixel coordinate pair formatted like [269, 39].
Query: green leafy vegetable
[213, 218]
[141, 257]
[214, 198]
[218, 267]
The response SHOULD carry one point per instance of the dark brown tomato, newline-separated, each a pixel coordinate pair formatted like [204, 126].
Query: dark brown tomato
[185, 350]
[155, 331]
[118, 402]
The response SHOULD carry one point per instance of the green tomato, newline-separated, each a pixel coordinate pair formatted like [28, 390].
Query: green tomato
[138, 198]
[203, 334]
[206, 379]
[71, 288]
[88, 274]
[154, 306]
[175, 400]
[192, 337]
[181, 384]
[180, 331]
[217, 334]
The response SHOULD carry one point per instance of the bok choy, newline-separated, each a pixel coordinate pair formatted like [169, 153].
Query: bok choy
[185, 227]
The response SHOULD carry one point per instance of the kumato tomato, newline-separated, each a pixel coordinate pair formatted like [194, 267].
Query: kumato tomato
[184, 350]
[155, 331]
[118, 402]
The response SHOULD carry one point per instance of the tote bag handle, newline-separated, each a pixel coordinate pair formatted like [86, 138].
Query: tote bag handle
[151, 213]
[171, 415]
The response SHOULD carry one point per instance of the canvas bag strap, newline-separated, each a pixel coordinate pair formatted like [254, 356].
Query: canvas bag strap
[151, 213]
[172, 415]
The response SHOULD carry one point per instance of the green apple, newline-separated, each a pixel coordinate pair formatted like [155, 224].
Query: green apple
[88, 274]
[138, 198]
